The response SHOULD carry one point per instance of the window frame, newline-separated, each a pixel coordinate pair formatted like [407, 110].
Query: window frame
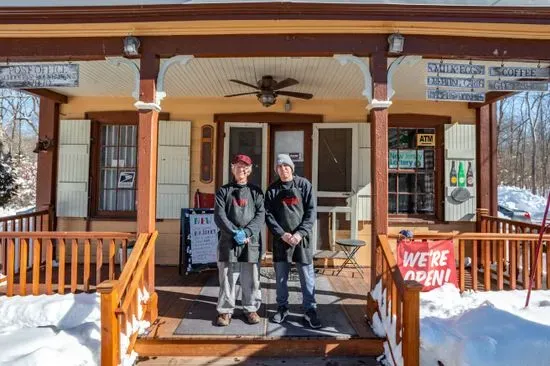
[420, 121]
[97, 120]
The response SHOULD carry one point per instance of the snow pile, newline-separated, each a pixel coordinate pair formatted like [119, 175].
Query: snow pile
[484, 328]
[522, 199]
[50, 330]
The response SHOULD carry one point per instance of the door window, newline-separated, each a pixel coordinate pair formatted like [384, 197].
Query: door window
[291, 143]
[248, 141]
[335, 155]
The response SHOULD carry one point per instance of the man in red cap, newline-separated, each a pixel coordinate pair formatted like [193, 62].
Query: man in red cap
[239, 214]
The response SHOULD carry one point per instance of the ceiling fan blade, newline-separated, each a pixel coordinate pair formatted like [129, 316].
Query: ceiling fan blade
[295, 94]
[285, 83]
[243, 83]
[236, 95]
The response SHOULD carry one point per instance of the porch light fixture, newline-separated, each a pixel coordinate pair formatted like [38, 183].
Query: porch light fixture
[131, 46]
[43, 145]
[288, 105]
[267, 99]
[396, 41]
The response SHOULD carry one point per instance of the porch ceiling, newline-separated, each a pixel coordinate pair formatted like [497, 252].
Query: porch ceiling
[323, 77]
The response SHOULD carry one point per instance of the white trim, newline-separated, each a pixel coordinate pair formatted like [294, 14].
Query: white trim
[182, 60]
[401, 60]
[365, 70]
[379, 104]
[144, 106]
[117, 61]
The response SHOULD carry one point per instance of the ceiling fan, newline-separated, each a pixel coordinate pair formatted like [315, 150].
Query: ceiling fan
[268, 89]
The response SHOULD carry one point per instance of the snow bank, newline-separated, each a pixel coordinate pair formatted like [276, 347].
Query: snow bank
[50, 330]
[484, 328]
[522, 199]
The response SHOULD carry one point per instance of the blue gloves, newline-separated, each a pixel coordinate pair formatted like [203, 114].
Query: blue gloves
[240, 236]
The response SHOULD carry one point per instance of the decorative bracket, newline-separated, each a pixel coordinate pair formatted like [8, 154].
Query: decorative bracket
[180, 59]
[117, 61]
[401, 60]
[365, 70]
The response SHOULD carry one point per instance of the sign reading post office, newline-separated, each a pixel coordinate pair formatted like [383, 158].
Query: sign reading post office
[39, 76]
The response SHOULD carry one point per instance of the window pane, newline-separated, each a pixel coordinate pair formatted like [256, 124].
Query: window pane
[406, 203]
[429, 159]
[291, 143]
[392, 203]
[393, 141]
[125, 200]
[109, 135]
[109, 157]
[334, 169]
[425, 183]
[425, 203]
[392, 182]
[108, 178]
[407, 183]
[248, 141]
[407, 138]
[108, 200]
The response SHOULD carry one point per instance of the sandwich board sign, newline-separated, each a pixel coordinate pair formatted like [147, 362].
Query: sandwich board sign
[39, 76]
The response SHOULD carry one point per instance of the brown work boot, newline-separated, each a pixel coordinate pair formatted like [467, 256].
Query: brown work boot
[252, 318]
[223, 320]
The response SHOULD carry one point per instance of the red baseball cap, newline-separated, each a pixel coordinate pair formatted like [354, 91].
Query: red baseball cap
[242, 158]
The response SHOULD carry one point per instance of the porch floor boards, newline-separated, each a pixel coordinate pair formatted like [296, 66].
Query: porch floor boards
[176, 295]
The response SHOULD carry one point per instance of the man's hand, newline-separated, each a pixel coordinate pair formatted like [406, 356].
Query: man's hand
[296, 239]
[287, 238]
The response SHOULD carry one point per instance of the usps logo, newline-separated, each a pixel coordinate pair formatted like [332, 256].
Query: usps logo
[126, 179]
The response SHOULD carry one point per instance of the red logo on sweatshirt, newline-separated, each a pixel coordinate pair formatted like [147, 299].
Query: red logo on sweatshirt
[240, 202]
[291, 201]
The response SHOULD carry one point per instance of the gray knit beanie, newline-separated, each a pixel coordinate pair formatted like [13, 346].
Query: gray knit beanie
[284, 159]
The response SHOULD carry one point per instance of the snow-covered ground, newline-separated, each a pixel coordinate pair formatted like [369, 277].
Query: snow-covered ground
[522, 199]
[50, 330]
[477, 328]
[55, 330]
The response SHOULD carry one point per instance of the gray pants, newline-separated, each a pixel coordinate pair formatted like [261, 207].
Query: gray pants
[250, 285]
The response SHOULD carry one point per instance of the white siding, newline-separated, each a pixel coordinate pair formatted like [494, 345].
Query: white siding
[73, 168]
[460, 145]
[364, 176]
[173, 168]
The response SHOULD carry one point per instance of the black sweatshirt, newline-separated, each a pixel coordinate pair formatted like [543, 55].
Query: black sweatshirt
[305, 229]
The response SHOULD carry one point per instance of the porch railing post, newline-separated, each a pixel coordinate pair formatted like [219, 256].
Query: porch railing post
[411, 324]
[481, 214]
[110, 329]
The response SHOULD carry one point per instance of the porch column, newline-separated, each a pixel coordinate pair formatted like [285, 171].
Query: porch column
[147, 146]
[487, 158]
[48, 127]
[147, 165]
[379, 162]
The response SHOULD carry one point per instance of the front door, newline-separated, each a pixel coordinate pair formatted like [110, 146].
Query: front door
[335, 181]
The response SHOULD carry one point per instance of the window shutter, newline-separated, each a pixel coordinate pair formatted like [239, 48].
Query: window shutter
[73, 168]
[364, 176]
[173, 168]
[460, 147]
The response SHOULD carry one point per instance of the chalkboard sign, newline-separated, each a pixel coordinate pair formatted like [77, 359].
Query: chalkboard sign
[198, 240]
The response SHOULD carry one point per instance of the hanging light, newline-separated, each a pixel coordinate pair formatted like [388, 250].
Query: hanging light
[131, 46]
[396, 41]
[267, 99]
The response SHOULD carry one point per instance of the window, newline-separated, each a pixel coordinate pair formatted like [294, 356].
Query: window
[334, 169]
[116, 169]
[411, 181]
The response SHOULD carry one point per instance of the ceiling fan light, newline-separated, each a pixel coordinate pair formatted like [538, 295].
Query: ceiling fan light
[267, 100]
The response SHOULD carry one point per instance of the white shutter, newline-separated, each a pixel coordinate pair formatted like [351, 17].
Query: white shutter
[364, 176]
[73, 168]
[460, 147]
[173, 168]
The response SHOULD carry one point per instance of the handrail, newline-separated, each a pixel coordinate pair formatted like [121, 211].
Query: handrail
[123, 302]
[473, 236]
[26, 215]
[516, 223]
[65, 234]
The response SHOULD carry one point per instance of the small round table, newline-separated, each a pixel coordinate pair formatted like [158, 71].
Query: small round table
[350, 247]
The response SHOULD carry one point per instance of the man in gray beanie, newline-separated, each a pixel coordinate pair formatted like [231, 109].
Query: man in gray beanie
[290, 214]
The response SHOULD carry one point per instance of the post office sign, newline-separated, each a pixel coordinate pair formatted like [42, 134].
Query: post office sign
[39, 76]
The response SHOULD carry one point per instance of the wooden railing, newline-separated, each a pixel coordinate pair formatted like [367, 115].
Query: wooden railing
[492, 224]
[509, 268]
[401, 304]
[29, 222]
[127, 301]
[36, 252]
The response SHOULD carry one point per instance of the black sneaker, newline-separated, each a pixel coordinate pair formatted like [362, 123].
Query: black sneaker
[311, 318]
[280, 315]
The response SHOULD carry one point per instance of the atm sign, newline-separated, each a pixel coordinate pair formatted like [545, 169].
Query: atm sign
[425, 139]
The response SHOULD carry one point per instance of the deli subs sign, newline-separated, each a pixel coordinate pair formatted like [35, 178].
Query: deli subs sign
[469, 82]
[39, 76]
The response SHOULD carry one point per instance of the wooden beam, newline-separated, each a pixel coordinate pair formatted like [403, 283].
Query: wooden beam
[483, 152]
[49, 94]
[48, 127]
[379, 163]
[493, 157]
[259, 11]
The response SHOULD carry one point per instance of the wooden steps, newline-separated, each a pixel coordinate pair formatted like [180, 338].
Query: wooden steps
[258, 347]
